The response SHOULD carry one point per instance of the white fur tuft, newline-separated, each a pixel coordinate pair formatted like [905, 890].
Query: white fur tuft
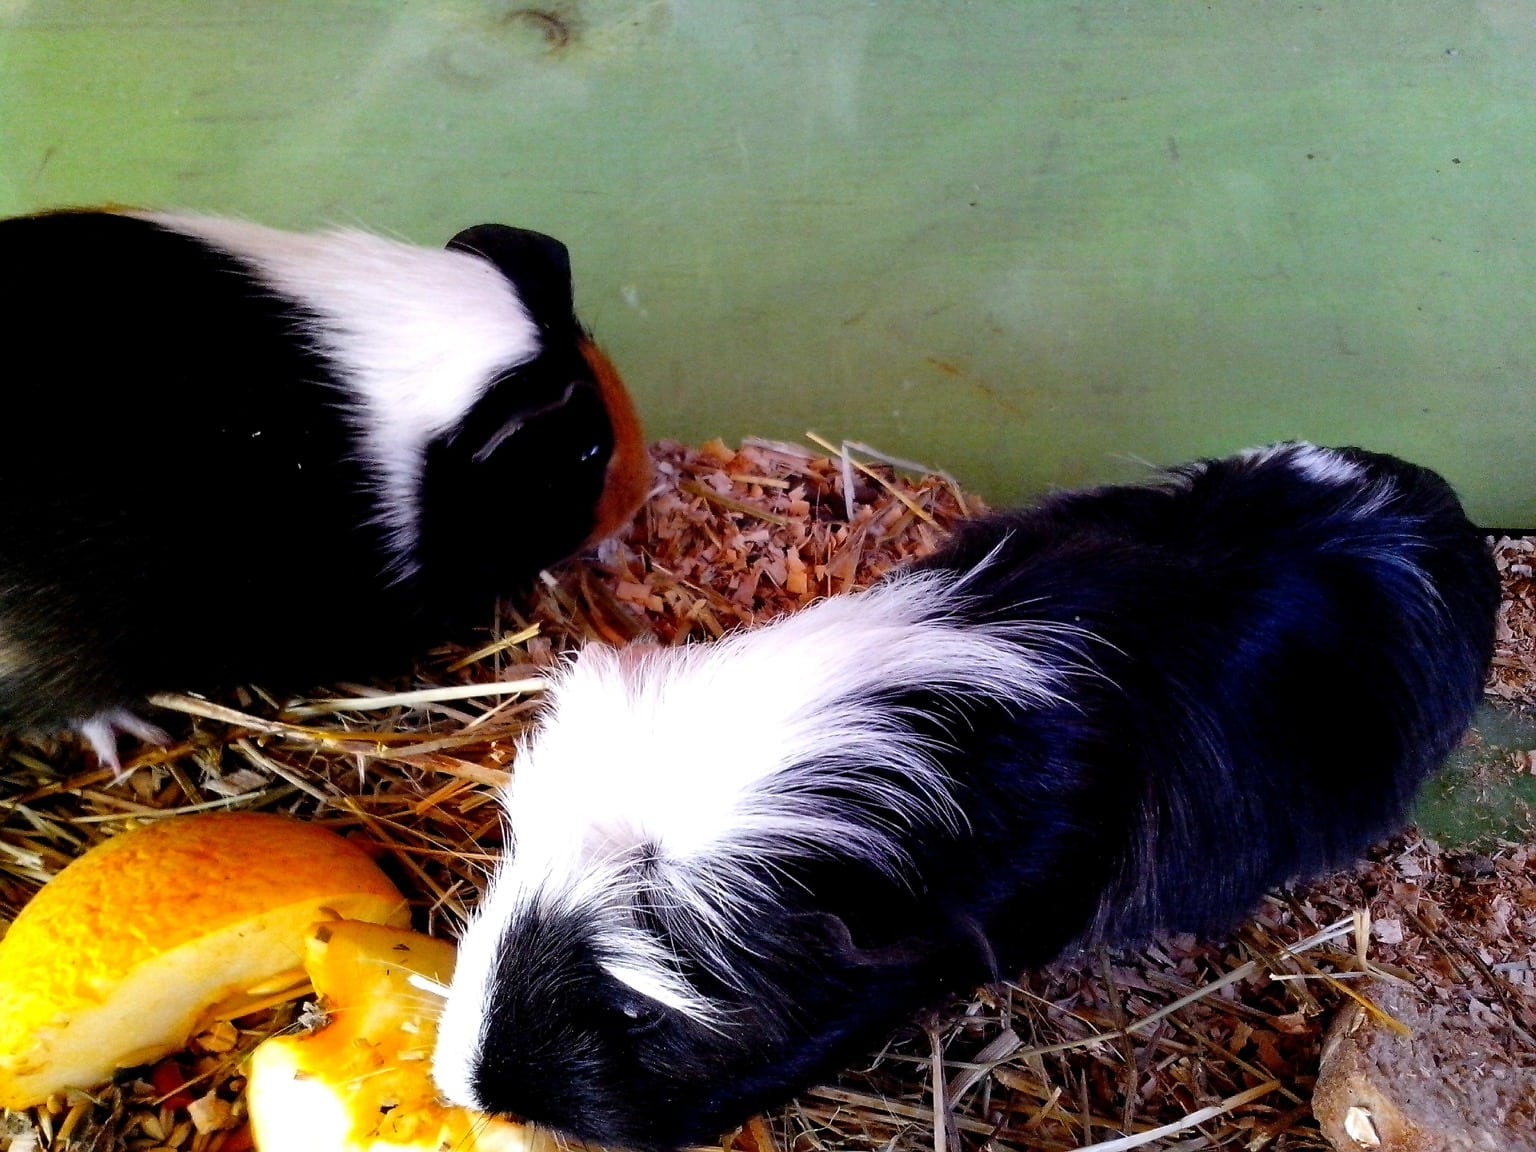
[1368, 497]
[101, 732]
[1320, 465]
[673, 778]
[416, 334]
[1329, 468]
[458, 1039]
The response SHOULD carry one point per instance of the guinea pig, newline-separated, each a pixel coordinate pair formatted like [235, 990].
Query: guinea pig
[733, 868]
[244, 454]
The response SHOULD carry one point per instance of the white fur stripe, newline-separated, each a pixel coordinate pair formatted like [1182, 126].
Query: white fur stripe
[416, 333]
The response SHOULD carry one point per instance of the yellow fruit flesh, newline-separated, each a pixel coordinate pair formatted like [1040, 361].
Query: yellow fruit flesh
[116, 961]
[362, 1083]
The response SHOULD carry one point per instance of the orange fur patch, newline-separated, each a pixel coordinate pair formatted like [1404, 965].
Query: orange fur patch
[629, 469]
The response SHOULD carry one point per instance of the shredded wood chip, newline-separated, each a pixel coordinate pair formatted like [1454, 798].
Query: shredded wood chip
[1118, 1048]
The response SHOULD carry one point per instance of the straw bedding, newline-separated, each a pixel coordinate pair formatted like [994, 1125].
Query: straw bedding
[1187, 1044]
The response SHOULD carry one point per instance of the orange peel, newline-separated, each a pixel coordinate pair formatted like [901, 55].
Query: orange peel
[120, 958]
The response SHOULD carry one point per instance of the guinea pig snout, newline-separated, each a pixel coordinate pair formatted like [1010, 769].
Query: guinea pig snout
[453, 1058]
[531, 1029]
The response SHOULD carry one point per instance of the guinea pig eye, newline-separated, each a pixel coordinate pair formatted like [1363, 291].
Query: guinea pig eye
[515, 425]
[641, 1015]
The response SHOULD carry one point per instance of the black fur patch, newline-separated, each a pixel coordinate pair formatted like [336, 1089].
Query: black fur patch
[168, 427]
[541, 433]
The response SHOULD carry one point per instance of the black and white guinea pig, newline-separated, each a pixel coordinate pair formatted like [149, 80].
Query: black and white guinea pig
[733, 868]
[244, 454]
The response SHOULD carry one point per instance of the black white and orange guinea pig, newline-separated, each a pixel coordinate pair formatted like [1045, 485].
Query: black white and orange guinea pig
[735, 867]
[243, 454]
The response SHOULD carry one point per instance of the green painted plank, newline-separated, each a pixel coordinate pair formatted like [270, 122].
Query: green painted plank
[1033, 242]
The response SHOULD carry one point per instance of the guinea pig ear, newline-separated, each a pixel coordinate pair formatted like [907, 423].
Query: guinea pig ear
[838, 937]
[966, 938]
[538, 267]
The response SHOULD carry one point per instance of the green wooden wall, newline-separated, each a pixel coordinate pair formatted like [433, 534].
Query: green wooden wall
[1039, 243]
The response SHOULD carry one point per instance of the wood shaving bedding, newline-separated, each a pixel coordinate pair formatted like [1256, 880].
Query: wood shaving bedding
[1188, 1044]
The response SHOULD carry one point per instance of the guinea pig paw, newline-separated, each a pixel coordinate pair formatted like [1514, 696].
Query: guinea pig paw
[102, 730]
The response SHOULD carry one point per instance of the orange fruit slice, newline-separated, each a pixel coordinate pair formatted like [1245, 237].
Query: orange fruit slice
[362, 1082]
[121, 957]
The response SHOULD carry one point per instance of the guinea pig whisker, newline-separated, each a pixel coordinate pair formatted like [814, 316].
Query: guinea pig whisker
[426, 984]
[477, 1125]
[415, 978]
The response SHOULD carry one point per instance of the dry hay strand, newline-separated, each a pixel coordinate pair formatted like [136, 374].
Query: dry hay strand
[1187, 1044]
